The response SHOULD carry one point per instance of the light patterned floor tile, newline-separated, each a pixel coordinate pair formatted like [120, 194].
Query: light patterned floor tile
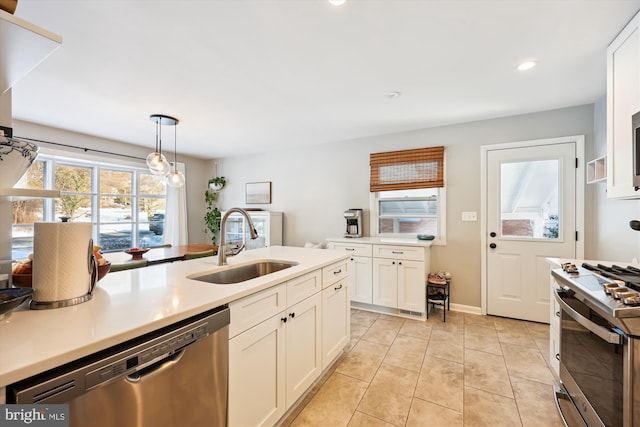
[406, 352]
[424, 413]
[334, 404]
[535, 403]
[442, 382]
[487, 372]
[484, 409]
[389, 396]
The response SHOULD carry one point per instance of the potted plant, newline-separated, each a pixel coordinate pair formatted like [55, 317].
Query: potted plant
[213, 216]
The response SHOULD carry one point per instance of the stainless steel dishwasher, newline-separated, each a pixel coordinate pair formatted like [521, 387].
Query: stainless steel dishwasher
[176, 376]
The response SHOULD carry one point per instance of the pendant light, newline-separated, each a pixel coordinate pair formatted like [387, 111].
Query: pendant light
[175, 178]
[156, 161]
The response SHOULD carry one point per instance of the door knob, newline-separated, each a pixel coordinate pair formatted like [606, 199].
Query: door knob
[492, 234]
[493, 246]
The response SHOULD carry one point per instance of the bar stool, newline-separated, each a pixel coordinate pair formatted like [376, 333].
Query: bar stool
[438, 289]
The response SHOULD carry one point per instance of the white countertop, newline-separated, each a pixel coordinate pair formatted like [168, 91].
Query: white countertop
[129, 303]
[381, 241]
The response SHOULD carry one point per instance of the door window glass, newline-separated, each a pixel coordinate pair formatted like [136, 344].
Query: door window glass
[529, 206]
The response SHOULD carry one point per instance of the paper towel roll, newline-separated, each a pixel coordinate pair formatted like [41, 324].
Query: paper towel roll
[60, 260]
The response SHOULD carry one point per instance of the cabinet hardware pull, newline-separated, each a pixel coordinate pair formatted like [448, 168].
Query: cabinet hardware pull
[558, 356]
[338, 288]
[337, 272]
[284, 319]
[397, 252]
[349, 249]
[399, 262]
[557, 313]
[292, 315]
[351, 259]
[393, 263]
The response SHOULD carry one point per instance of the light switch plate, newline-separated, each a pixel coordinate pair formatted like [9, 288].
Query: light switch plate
[469, 216]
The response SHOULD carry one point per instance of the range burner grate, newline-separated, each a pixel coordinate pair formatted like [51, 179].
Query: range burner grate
[630, 275]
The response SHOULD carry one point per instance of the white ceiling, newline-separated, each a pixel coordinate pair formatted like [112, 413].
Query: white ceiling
[257, 75]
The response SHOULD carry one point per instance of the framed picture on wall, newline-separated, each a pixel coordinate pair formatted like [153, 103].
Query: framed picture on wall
[258, 192]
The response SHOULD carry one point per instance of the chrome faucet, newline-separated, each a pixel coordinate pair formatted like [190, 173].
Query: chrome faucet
[222, 253]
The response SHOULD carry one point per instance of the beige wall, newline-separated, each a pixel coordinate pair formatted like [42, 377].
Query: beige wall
[314, 185]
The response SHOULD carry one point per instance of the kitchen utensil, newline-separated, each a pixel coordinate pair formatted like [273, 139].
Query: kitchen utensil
[16, 156]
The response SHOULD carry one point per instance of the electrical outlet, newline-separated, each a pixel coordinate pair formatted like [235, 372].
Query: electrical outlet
[469, 216]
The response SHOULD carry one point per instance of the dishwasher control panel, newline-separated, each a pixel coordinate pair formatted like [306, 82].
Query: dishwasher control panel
[144, 357]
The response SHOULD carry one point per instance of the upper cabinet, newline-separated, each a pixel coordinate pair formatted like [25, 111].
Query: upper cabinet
[22, 47]
[623, 101]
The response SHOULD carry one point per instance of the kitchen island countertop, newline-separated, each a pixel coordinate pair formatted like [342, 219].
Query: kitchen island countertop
[130, 303]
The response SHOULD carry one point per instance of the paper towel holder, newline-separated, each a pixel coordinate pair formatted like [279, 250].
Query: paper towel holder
[93, 268]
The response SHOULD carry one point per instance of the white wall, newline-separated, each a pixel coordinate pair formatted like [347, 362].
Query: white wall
[198, 171]
[613, 239]
[314, 185]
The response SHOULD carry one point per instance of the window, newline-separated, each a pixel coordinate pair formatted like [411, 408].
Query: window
[407, 193]
[126, 205]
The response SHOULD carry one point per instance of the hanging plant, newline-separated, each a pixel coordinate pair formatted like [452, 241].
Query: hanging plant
[213, 216]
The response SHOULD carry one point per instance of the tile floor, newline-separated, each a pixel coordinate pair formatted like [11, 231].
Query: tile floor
[470, 371]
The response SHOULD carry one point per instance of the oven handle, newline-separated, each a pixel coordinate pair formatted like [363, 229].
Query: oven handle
[604, 333]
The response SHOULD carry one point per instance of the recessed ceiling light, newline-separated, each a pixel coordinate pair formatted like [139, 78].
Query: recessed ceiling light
[527, 65]
[337, 2]
[393, 94]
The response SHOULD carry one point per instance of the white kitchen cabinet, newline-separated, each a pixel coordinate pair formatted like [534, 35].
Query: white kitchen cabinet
[257, 374]
[360, 270]
[399, 277]
[399, 283]
[386, 274]
[336, 328]
[303, 346]
[268, 225]
[278, 349]
[273, 363]
[385, 282]
[623, 101]
[554, 323]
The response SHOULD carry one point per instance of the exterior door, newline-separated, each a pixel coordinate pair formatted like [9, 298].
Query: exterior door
[530, 215]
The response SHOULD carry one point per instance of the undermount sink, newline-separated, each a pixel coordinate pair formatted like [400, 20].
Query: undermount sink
[242, 273]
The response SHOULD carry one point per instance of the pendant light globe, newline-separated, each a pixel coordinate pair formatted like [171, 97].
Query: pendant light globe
[158, 164]
[175, 179]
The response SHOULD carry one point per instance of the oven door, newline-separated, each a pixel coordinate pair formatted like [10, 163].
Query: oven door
[592, 355]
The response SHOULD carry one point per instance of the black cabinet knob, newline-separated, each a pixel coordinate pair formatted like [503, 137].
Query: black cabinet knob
[492, 234]
[493, 246]
[284, 319]
[292, 315]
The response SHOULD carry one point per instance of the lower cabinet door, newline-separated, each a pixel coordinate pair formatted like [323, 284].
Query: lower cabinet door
[411, 286]
[257, 374]
[304, 346]
[360, 271]
[385, 282]
[335, 321]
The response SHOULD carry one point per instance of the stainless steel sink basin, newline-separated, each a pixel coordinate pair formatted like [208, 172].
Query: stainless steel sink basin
[242, 273]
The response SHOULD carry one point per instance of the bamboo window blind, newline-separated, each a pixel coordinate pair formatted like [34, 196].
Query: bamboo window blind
[407, 169]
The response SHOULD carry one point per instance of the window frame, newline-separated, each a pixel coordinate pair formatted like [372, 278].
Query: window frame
[52, 158]
[441, 235]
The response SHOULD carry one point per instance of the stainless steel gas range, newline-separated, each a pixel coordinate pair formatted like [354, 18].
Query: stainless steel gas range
[599, 345]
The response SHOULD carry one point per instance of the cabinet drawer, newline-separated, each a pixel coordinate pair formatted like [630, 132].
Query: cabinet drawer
[249, 311]
[399, 252]
[303, 287]
[358, 249]
[334, 272]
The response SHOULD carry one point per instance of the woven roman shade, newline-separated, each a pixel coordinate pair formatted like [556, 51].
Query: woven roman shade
[407, 169]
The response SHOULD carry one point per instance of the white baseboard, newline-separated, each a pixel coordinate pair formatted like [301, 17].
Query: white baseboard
[466, 309]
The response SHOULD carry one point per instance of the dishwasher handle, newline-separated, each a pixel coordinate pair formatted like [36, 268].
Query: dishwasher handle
[604, 333]
[155, 368]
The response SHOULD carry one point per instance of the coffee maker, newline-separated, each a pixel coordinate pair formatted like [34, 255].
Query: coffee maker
[354, 222]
